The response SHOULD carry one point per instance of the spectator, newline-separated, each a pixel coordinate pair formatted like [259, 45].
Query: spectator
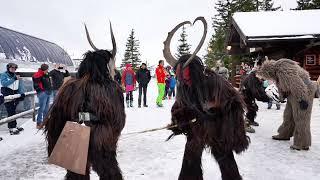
[42, 84]
[11, 85]
[143, 78]
[167, 86]
[172, 86]
[1, 98]
[1, 101]
[57, 76]
[267, 83]
[129, 84]
[221, 70]
[117, 76]
[161, 75]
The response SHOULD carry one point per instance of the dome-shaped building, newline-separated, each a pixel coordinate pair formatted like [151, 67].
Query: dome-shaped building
[16, 46]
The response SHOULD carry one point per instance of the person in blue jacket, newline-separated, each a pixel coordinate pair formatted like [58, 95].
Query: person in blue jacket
[10, 86]
[172, 86]
[1, 101]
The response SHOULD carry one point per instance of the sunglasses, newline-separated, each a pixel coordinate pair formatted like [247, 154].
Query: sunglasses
[14, 67]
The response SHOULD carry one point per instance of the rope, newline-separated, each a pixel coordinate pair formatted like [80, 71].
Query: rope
[156, 129]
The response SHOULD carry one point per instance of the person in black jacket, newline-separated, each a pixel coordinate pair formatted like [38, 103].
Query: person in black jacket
[143, 78]
[117, 76]
[57, 76]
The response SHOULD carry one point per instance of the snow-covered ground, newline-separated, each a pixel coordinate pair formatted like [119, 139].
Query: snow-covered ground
[148, 156]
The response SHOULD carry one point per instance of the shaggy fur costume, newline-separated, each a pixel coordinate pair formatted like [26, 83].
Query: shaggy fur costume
[294, 84]
[252, 88]
[92, 91]
[219, 111]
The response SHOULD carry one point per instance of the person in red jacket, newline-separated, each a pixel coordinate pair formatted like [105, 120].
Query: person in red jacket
[42, 84]
[129, 83]
[161, 76]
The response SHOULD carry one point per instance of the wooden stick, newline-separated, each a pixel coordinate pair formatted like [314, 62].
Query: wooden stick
[157, 129]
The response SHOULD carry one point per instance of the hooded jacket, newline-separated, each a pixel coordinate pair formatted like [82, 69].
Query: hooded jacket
[128, 76]
[161, 74]
[10, 84]
[41, 81]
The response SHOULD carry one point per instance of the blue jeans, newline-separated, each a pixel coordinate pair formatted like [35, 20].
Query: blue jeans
[44, 101]
[54, 94]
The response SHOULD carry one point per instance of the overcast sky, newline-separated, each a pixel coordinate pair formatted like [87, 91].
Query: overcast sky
[61, 22]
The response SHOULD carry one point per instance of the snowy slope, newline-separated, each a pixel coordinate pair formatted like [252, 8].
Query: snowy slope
[147, 156]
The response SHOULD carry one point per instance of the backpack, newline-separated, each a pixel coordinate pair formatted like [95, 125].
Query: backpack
[129, 79]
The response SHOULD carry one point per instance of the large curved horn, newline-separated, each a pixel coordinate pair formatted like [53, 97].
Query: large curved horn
[166, 51]
[205, 28]
[114, 45]
[89, 39]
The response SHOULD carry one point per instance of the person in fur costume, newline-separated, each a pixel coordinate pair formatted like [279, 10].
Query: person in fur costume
[93, 91]
[293, 83]
[217, 109]
[251, 88]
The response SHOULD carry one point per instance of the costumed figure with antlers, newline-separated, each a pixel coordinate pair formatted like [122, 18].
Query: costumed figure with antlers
[94, 93]
[217, 107]
[293, 83]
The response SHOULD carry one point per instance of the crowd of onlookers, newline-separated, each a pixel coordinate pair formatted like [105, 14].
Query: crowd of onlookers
[45, 83]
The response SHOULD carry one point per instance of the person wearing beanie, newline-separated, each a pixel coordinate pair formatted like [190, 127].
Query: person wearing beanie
[42, 84]
[129, 84]
[143, 77]
[10, 86]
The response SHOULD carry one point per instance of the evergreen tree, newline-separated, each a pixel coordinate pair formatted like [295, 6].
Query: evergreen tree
[267, 5]
[304, 4]
[132, 55]
[221, 24]
[315, 4]
[184, 47]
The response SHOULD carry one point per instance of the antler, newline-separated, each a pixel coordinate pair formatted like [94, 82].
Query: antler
[89, 39]
[205, 28]
[166, 51]
[114, 45]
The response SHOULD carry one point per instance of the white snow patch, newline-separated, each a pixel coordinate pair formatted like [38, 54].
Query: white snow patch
[278, 23]
[148, 156]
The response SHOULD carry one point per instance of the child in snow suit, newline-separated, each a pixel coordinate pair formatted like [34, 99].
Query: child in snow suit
[172, 86]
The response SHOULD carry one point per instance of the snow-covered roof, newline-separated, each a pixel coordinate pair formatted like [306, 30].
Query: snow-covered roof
[25, 48]
[278, 23]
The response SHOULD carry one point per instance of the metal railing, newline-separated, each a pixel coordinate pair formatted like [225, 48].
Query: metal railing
[24, 113]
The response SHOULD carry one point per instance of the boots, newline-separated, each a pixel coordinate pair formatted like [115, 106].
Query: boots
[248, 128]
[131, 104]
[277, 137]
[294, 147]
[14, 131]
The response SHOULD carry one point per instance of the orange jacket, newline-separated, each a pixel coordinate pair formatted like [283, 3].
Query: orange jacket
[161, 74]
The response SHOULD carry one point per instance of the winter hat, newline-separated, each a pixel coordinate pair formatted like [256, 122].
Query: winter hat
[44, 67]
[9, 65]
[144, 64]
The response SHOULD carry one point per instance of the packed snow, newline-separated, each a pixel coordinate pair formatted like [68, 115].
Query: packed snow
[278, 23]
[148, 156]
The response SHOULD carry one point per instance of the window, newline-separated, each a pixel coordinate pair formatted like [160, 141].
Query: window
[310, 59]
